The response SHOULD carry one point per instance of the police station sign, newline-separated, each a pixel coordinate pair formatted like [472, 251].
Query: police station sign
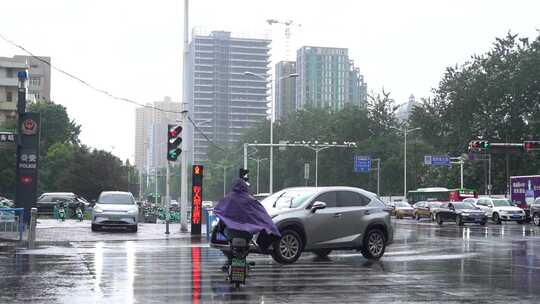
[28, 160]
[27, 141]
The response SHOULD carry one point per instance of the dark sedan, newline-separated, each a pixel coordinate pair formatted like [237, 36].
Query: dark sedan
[47, 201]
[461, 213]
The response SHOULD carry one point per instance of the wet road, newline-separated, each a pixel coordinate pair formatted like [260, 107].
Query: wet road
[427, 263]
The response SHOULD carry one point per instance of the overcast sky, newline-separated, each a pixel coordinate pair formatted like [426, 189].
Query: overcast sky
[133, 48]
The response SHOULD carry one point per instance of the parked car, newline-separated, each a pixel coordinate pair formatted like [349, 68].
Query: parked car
[535, 211]
[426, 209]
[6, 203]
[47, 201]
[115, 209]
[403, 209]
[322, 219]
[501, 209]
[461, 213]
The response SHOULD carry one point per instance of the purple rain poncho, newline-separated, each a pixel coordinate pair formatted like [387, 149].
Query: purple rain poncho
[240, 211]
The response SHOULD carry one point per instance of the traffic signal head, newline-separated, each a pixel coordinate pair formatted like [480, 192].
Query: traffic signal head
[174, 140]
[531, 145]
[478, 145]
[198, 170]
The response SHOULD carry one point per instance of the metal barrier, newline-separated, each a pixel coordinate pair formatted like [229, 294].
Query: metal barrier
[210, 219]
[12, 221]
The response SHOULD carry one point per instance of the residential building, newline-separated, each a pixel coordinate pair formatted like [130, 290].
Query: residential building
[38, 83]
[357, 86]
[9, 82]
[327, 78]
[39, 76]
[151, 125]
[285, 90]
[228, 87]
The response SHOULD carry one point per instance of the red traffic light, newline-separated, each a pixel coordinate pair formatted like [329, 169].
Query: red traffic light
[174, 131]
[531, 145]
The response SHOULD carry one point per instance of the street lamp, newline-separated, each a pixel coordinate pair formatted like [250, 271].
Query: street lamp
[263, 77]
[405, 132]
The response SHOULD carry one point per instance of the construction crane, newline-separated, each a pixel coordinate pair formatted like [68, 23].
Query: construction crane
[287, 24]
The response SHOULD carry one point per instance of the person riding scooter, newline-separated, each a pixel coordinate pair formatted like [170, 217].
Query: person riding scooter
[241, 215]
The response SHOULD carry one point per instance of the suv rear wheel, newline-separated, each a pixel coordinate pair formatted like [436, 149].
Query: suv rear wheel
[374, 244]
[288, 248]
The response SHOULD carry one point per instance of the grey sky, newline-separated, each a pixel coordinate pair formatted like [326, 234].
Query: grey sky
[133, 48]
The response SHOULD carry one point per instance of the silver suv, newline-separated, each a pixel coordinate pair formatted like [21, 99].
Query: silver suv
[323, 219]
[113, 209]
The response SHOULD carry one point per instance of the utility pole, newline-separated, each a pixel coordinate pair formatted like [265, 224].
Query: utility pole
[224, 180]
[188, 137]
[378, 160]
[459, 160]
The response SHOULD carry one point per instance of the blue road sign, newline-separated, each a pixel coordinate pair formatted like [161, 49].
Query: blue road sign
[362, 163]
[437, 160]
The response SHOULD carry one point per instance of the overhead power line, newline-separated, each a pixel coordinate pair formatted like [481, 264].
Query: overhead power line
[105, 92]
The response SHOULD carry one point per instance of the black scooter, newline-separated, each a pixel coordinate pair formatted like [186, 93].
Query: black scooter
[238, 266]
[236, 250]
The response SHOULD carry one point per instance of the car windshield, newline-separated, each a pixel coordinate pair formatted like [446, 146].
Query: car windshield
[402, 204]
[116, 199]
[464, 206]
[501, 203]
[54, 198]
[288, 198]
[434, 204]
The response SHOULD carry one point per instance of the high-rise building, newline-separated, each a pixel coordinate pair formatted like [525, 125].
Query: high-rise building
[285, 94]
[357, 86]
[327, 78]
[151, 133]
[228, 85]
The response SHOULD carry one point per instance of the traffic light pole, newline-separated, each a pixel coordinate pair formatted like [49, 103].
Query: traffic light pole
[315, 146]
[167, 198]
[184, 176]
[188, 135]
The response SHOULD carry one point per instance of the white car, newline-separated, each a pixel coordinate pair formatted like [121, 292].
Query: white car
[500, 209]
[115, 209]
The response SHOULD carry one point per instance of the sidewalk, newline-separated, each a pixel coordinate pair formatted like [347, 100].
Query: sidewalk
[55, 231]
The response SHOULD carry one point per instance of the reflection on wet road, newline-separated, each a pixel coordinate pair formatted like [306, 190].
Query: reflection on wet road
[426, 263]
